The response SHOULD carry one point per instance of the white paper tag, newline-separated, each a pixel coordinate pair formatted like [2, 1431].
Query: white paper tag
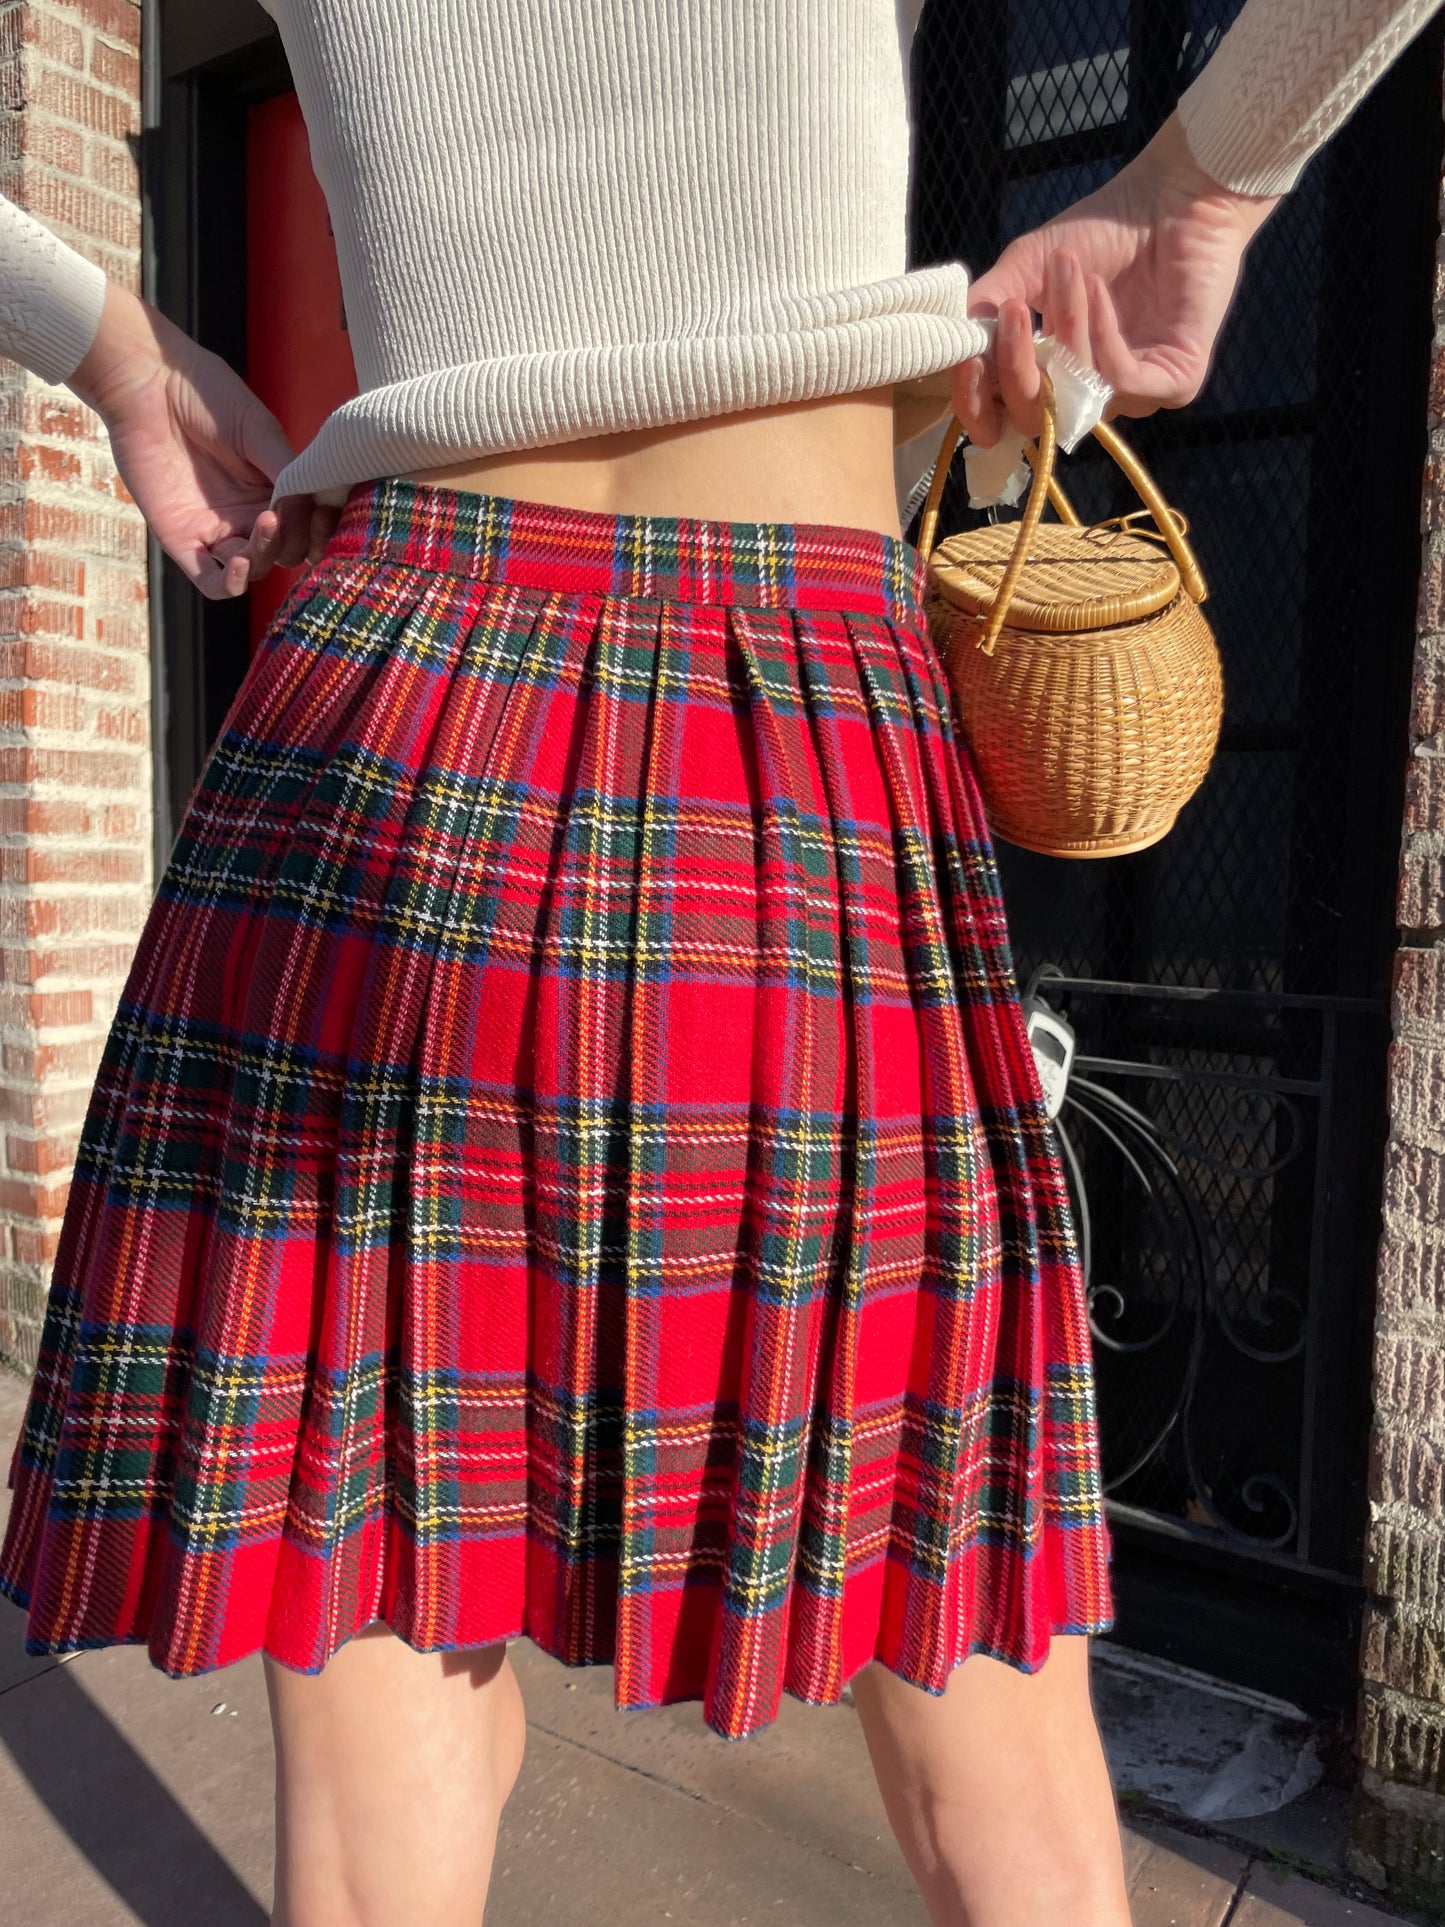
[1081, 393]
[998, 476]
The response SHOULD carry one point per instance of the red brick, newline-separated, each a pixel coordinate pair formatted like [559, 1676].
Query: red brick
[1432, 495]
[40, 1156]
[1420, 899]
[1414, 1182]
[19, 1106]
[95, 962]
[1405, 1471]
[81, 866]
[1435, 404]
[34, 461]
[63, 201]
[1420, 984]
[48, 414]
[1424, 795]
[27, 917]
[120, 820]
[31, 1246]
[60, 1009]
[116, 19]
[116, 586]
[81, 527]
[121, 266]
[46, 34]
[53, 1110]
[34, 1062]
[125, 725]
[32, 1200]
[122, 632]
[42, 660]
[71, 99]
[75, 821]
[114, 67]
[1416, 1088]
[76, 768]
[1410, 1273]
[36, 615]
[28, 708]
[111, 168]
[43, 143]
[42, 569]
[31, 816]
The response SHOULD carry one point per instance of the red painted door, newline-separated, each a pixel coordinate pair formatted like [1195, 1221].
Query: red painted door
[298, 356]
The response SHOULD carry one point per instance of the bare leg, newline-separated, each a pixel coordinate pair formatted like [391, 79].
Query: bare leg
[998, 1792]
[392, 1768]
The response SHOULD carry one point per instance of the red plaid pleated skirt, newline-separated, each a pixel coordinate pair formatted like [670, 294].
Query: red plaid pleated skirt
[567, 1160]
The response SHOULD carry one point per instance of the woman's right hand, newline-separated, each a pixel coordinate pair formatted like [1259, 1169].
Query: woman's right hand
[1136, 280]
[197, 450]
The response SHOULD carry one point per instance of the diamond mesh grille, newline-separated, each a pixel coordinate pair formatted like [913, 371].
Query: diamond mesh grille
[1275, 882]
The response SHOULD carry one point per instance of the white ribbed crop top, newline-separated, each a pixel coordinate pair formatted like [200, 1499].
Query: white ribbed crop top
[556, 218]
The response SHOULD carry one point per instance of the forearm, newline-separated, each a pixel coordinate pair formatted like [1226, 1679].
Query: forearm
[1284, 77]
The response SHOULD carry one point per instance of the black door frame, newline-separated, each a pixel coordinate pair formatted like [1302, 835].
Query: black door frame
[202, 68]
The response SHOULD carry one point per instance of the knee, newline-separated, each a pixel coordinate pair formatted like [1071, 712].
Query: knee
[510, 1744]
[488, 1670]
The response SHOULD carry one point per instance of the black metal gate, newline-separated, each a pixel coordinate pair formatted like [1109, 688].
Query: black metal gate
[1230, 988]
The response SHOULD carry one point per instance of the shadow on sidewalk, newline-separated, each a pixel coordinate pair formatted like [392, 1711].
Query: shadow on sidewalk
[120, 1816]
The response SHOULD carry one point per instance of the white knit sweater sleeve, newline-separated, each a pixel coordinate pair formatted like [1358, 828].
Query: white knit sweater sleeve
[50, 297]
[1284, 77]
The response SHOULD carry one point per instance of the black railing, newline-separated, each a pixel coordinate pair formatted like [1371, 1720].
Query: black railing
[1198, 1162]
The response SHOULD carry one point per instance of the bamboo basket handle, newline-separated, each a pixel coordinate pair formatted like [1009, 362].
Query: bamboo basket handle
[1165, 520]
[1042, 460]
[1063, 508]
[1043, 465]
[1171, 526]
[928, 526]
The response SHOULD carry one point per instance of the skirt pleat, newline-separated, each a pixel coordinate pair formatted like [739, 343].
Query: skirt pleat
[567, 1159]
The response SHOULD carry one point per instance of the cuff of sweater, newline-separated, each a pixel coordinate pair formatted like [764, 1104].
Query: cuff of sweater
[61, 327]
[1227, 140]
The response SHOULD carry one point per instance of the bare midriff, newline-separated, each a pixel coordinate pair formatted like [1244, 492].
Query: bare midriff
[823, 461]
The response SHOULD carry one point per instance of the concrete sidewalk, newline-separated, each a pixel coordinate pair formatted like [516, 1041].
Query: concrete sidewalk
[129, 1798]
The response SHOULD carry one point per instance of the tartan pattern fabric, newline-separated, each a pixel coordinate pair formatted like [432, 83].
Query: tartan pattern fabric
[567, 1160]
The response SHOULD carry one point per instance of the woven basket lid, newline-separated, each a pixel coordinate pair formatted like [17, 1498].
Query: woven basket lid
[1074, 578]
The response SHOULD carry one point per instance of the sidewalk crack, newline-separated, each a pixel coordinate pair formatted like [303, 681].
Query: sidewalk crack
[721, 1806]
[1234, 1904]
[30, 1678]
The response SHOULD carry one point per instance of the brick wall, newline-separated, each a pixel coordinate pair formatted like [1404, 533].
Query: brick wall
[75, 777]
[1399, 1831]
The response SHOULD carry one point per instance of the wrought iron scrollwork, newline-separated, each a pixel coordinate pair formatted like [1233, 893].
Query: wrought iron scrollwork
[1165, 1166]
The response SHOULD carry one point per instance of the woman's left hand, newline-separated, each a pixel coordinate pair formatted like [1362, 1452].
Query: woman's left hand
[1136, 280]
[197, 450]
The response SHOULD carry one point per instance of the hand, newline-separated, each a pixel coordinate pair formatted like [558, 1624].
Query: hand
[1135, 279]
[197, 450]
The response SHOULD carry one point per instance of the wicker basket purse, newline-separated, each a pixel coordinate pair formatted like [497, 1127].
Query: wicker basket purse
[1087, 681]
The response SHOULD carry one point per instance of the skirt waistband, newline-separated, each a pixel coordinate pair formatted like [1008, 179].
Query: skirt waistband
[786, 565]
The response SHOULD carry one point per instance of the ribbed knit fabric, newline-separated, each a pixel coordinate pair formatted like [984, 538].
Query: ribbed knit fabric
[573, 216]
[50, 297]
[557, 218]
[1284, 77]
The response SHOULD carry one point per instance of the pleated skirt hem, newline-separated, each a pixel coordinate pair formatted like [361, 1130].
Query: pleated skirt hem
[686, 1680]
[567, 1161]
